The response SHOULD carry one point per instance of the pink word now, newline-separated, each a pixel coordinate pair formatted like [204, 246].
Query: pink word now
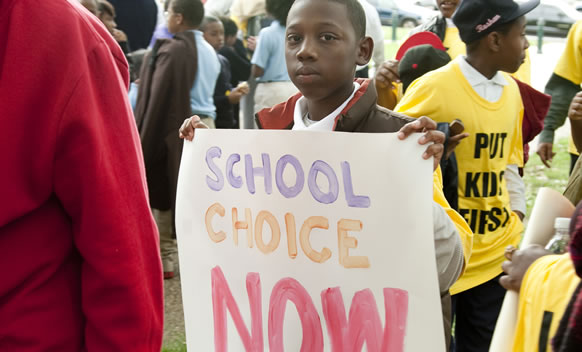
[346, 333]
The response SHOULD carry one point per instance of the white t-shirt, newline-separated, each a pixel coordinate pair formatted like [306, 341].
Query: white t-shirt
[301, 119]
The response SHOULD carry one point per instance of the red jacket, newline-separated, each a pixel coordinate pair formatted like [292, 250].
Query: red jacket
[79, 257]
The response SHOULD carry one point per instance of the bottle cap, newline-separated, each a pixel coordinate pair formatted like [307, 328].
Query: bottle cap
[562, 223]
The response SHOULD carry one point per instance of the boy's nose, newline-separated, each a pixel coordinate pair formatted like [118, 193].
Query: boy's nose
[307, 50]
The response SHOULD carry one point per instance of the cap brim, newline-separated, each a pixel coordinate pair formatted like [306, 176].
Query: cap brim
[419, 39]
[524, 7]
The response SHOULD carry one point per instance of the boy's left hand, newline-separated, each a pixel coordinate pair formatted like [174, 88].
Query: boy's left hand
[431, 135]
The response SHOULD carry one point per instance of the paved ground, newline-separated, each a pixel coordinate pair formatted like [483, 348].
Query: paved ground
[174, 314]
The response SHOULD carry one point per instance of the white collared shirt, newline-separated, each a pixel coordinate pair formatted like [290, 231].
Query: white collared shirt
[325, 124]
[491, 90]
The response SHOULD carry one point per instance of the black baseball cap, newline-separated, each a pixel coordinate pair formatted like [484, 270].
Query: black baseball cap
[477, 18]
[419, 60]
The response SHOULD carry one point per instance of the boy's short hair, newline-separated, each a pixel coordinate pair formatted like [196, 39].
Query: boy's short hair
[230, 27]
[208, 20]
[356, 15]
[191, 10]
[106, 7]
[279, 9]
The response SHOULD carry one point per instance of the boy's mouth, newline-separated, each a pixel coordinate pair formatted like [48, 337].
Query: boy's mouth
[449, 5]
[305, 74]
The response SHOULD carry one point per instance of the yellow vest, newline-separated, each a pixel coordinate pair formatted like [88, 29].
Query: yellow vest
[495, 141]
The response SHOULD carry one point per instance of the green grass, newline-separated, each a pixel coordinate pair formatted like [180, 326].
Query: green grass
[175, 346]
[537, 175]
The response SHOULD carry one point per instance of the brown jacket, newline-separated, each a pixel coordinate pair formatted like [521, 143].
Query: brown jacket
[362, 114]
[167, 76]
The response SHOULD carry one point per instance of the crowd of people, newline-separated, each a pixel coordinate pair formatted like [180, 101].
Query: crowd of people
[108, 90]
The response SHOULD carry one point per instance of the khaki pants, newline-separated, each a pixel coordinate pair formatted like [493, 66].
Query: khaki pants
[208, 121]
[168, 244]
[272, 93]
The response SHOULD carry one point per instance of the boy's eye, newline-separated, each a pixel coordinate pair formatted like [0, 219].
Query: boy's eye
[327, 37]
[293, 38]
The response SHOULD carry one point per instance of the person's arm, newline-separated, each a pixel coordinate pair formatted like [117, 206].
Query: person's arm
[517, 263]
[562, 92]
[256, 71]
[575, 115]
[516, 190]
[448, 248]
[385, 79]
[261, 55]
[100, 181]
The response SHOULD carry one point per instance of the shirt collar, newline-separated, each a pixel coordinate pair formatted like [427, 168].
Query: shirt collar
[475, 77]
[325, 124]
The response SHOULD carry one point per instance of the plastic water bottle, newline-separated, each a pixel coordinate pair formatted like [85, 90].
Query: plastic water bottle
[559, 243]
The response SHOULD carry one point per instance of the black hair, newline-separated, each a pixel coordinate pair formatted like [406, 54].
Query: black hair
[191, 10]
[279, 9]
[230, 27]
[208, 20]
[106, 7]
[356, 15]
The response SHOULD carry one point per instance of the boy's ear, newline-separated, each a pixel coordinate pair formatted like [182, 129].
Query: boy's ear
[494, 41]
[179, 18]
[365, 49]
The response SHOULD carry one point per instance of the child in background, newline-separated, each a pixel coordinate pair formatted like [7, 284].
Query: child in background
[235, 51]
[489, 103]
[324, 42]
[443, 26]
[167, 79]
[268, 62]
[225, 96]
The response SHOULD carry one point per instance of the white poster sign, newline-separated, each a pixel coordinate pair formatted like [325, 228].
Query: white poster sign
[307, 241]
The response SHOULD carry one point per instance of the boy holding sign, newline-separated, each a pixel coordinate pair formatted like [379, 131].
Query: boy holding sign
[491, 195]
[321, 56]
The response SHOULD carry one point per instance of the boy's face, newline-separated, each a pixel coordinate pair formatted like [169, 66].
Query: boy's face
[214, 34]
[448, 7]
[230, 40]
[512, 47]
[321, 48]
[173, 20]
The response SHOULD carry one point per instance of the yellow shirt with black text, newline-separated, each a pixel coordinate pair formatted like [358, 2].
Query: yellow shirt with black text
[495, 141]
[545, 292]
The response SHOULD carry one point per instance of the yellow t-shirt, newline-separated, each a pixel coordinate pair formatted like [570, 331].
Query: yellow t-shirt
[545, 292]
[456, 47]
[495, 141]
[569, 65]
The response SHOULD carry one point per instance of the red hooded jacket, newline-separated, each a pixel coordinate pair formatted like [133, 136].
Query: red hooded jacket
[79, 252]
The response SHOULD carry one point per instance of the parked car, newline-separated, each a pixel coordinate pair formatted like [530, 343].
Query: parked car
[558, 16]
[431, 4]
[409, 16]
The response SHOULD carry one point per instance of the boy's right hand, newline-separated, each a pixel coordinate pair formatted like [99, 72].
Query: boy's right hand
[546, 153]
[387, 73]
[189, 126]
